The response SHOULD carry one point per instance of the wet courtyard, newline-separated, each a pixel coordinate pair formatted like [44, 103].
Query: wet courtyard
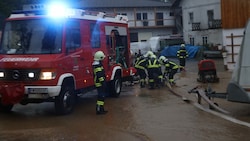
[137, 115]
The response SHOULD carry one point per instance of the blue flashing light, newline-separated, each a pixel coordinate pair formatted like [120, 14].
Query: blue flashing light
[57, 10]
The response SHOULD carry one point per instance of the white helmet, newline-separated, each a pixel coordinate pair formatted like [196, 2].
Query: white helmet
[182, 45]
[149, 54]
[99, 55]
[163, 59]
[152, 56]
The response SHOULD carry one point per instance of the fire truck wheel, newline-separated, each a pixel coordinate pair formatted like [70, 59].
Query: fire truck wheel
[115, 86]
[64, 103]
[5, 108]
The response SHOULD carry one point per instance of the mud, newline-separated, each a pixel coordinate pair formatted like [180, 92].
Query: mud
[137, 115]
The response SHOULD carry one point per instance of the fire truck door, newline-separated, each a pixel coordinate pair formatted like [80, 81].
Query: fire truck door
[79, 59]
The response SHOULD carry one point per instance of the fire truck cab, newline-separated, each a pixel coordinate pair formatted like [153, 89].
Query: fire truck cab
[48, 58]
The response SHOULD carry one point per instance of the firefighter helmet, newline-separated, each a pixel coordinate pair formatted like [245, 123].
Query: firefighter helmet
[99, 55]
[148, 54]
[163, 59]
[182, 45]
[152, 56]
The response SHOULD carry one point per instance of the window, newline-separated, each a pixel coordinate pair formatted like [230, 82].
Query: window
[95, 35]
[145, 16]
[210, 15]
[204, 40]
[36, 36]
[138, 16]
[145, 19]
[171, 14]
[159, 18]
[73, 34]
[134, 37]
[125, 14]
[191, 17]
[191, 40]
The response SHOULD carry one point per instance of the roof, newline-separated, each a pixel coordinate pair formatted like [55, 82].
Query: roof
[121, 3]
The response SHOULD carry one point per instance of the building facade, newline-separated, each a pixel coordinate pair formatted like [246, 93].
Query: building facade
[202, 22]
[147, 18]
[216, 23]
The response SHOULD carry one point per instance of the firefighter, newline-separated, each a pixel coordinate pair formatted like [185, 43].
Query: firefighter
[154, 72]
[100, 82]
[182, 54]
[171, 69]
[148, 54]
[140, 65]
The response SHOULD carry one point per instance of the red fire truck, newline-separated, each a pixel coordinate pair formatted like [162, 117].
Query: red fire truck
[48, 57]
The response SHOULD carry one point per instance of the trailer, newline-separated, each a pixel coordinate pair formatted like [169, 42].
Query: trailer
[238, 89]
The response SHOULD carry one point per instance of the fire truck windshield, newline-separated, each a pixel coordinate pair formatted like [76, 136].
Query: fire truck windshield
[36, 36]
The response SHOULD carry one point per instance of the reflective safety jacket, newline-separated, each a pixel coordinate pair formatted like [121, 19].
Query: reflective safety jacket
[99, 73]
[140, 63]
[182, 53]
[170, 65]
[153, 63]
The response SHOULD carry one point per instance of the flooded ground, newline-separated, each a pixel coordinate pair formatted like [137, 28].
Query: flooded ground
[137, 115]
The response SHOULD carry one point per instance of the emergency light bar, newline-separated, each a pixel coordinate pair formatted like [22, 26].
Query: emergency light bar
[34, 7]
[55, 10]
[58, 10]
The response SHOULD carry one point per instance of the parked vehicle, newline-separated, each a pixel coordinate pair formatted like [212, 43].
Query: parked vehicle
[140, 47]
[48, 58]
[207, 71]
[158, 43]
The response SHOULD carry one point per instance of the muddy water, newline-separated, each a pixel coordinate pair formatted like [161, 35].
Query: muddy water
[137, 115]
[172, 119]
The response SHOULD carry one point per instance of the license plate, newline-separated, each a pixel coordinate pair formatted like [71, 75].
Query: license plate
[38, 90]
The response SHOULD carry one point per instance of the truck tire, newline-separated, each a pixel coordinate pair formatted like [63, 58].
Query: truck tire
[65, 102]
[116, 86]
[5, 108]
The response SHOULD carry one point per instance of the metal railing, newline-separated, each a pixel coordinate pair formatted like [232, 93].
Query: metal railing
[196, 26]
[214, 24]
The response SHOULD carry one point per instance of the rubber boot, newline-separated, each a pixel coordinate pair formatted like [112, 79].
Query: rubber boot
[103, 111]
[142, 84]
[151, 85]
[100, 110]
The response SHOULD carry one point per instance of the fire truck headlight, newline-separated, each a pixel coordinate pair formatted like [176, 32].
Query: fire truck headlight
[1, 74]
[47, 75]
[31, 75]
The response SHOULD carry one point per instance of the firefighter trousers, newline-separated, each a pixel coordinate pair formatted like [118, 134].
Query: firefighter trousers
[182, 62]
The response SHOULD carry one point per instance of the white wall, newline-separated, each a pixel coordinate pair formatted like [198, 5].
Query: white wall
[199, 9]
[131, 13]
[227, 42]
[147, 32]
